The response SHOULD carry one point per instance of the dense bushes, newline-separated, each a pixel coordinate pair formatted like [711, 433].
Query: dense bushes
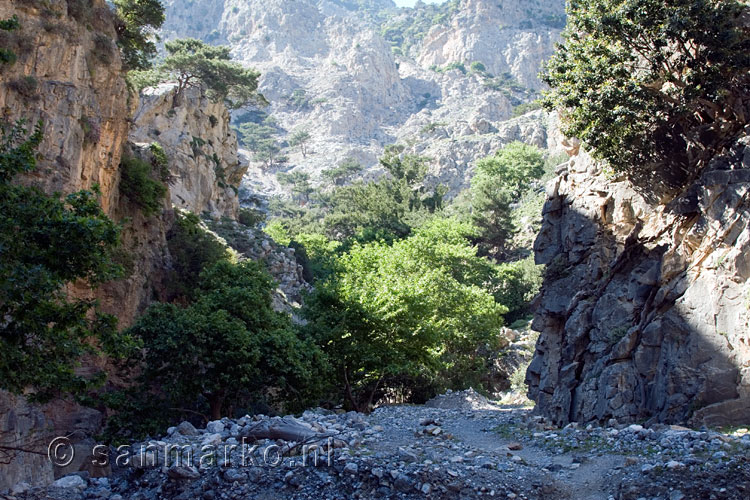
[225, 348]
[653, 87]
[219, 350]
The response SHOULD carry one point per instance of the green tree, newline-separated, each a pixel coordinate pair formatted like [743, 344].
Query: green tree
[500, 180]
[193, 63]
[300, 138]
[343, 172]
[136, 25]
[653, 87]
[226, 346]
[299, 182]
[387, 209]
[413, 308]
[47, 243]
[266, 152]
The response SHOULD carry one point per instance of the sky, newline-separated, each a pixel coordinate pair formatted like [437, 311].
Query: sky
[410, 3]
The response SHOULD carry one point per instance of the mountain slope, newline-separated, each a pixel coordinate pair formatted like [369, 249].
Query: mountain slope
[327, 68]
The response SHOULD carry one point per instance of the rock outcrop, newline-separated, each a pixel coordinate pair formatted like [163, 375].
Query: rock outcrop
[69, 75]
[204, 165]
[644, 309]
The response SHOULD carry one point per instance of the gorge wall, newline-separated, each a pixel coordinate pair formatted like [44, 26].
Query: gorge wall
[644, 309]
[69, 75]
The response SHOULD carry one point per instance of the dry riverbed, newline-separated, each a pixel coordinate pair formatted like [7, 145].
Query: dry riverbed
[460, 446]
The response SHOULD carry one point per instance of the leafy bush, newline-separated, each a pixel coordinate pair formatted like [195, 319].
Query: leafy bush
[251, 217]
[526, 107]
[139, 186]
[478, 67]
[654, 88]
[233, 345]
[159, 160]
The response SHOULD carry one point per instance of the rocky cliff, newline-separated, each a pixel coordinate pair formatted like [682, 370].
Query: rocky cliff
[204, 166]
[327, 68]
[644, 310]
[69, 75]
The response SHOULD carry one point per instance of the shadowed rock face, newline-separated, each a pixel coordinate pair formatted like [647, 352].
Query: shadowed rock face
[644, 309]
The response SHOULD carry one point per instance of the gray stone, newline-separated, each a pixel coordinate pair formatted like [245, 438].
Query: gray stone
[183, 473]
[70, 482]
[403, 483]
[187, 429]
[215, 427]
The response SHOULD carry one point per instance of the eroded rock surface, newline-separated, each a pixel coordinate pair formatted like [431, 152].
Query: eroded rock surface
[644, 310]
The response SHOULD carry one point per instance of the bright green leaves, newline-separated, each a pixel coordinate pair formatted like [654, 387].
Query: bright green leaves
[416, 308]
[499, 181]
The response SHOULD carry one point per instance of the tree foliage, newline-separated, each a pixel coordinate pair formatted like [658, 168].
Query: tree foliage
[193, 63]
[650, 85]
[300, 138]
[413, 308]
[136, 25]
[342, 172]
[498, 182]
[192, 249]
[227, 346]
[46, 244]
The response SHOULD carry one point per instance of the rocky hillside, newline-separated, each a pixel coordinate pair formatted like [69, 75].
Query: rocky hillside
[644, 311]
[360, 75]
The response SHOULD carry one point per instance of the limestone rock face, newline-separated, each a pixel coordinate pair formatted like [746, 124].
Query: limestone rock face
[644, 309]
[204, 166]
[69, 76]
[326, 68]
[506, 36]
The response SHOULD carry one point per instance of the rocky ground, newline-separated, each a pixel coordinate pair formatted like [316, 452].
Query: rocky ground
[458, 446]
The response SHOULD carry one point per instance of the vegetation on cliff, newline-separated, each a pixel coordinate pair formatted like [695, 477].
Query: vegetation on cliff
[647, 84]
[48, 244]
